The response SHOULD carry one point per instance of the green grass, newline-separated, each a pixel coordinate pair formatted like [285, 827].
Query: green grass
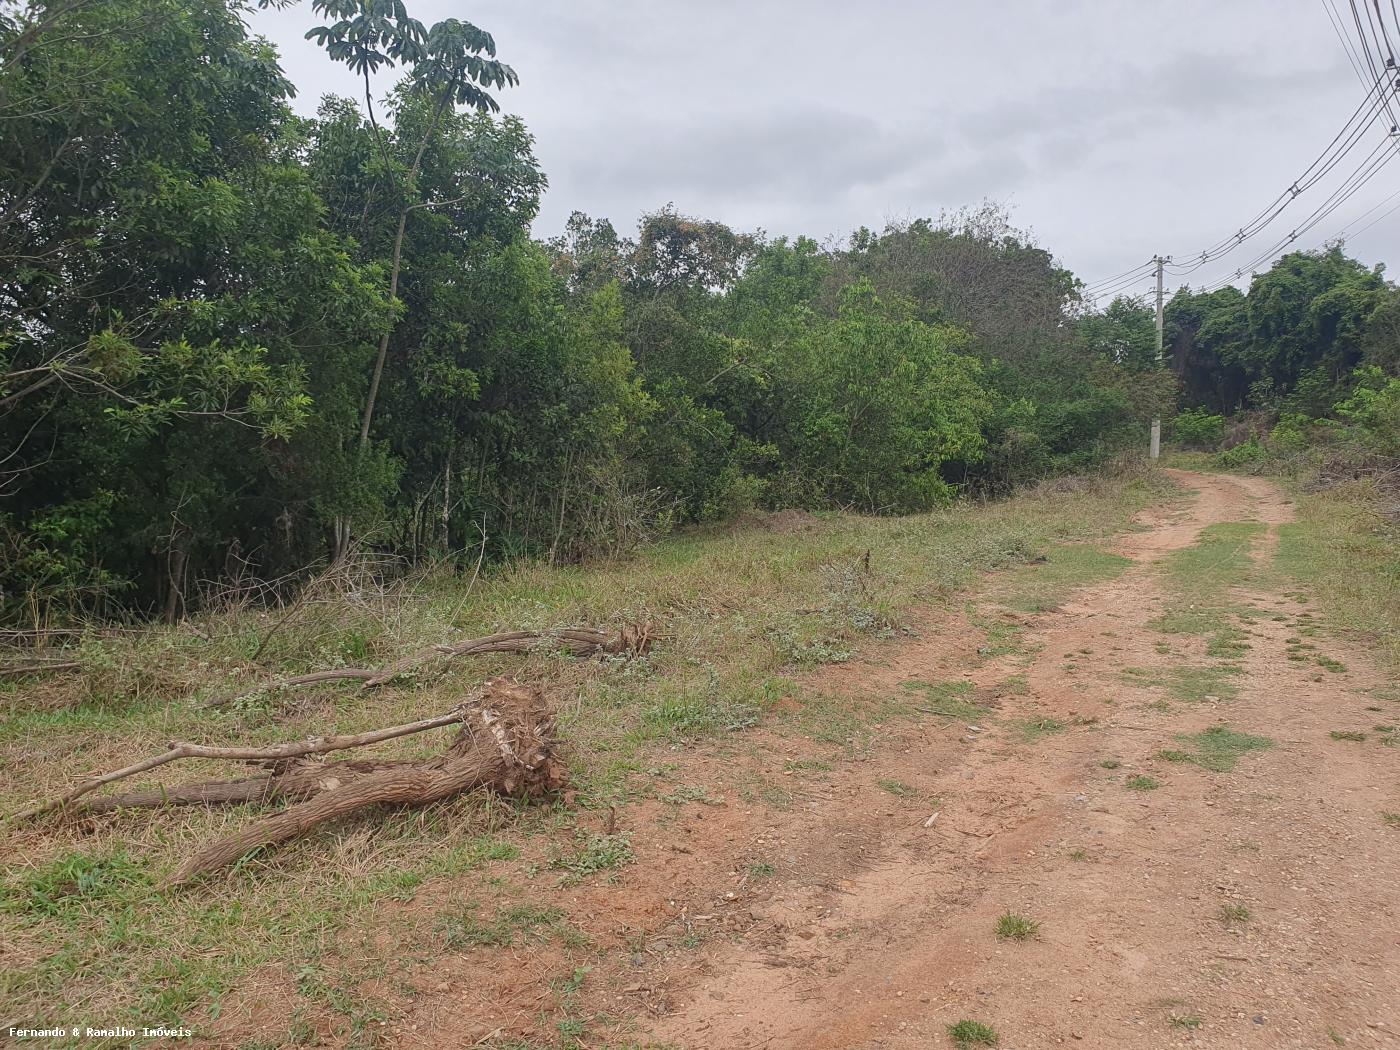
[591, 854]
[1013, 927]
[1142, 782]
[1346, 552]
[897, 788]
[1189, 1022]
[1110, 763]
[1032, 729]
[1191, 683]
[1348, 734]
[1217, 748]
[93, 934]
[1199, 580]
[1391, 820]
[1046, 582]
[946, 699]
[524, 921]
[967, 1034]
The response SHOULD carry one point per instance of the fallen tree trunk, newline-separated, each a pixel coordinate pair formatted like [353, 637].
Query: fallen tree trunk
[505, 744]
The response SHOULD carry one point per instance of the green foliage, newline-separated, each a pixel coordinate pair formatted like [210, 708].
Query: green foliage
[232, 339]
[967, 1034]
[1197, 428]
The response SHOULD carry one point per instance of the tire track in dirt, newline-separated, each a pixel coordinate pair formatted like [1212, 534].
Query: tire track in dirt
[879, 930]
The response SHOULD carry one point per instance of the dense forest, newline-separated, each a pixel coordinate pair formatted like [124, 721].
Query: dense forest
[237, 343]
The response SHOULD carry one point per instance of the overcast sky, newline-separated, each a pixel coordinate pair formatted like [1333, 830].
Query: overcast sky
[1113, 129]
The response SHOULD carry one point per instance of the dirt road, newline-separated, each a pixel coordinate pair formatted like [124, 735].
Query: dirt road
[1253, 906]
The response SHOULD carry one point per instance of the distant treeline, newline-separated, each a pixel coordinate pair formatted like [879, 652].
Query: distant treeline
[204, 375]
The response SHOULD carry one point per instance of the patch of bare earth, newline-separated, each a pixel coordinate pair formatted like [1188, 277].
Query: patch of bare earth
[830, 911]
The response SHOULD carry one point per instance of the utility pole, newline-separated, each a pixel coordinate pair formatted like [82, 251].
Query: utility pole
[1156, 446]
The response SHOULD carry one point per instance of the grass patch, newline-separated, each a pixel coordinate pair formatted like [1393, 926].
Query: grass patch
[1047, 581]
[1217, 748]
[1190, 1023]
[946, 699]
[590, 855]
[1233, 914]
[523, 921]
[1346, 552]
[1193, 684]
[1142, 782]
[1348, 734]
[1013, 927]
[1110, 763]
[1390, 820]
[1032, 729]
[967, 1034]
[897, 788]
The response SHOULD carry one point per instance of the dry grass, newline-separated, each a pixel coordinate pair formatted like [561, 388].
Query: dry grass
[87, 932]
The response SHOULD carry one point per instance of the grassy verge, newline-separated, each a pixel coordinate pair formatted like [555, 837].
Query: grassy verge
[1346, 554]
[739, 612]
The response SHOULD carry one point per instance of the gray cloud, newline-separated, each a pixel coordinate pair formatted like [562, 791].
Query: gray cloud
[1117, 129]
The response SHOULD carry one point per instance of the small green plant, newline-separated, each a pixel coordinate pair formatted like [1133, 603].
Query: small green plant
[1078, 854]
[1348, 734]
[1190, 1023]
[592, 854]
[1234, 914]
[897, 788]
[967, 1034]
[1013, 927]
[1337, 1038]
[1391, 820]
[1142, 782]
[1329, 664]
[1110, 763]
[761, 869]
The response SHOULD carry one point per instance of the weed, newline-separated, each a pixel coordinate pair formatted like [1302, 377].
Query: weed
[1390, 819]
[967, 1034]
[685, 793]
[1110, 763]
[592, 854]
[1329, 664]
[761, 870]
[1347, 734]
[897, 788]
[1337, 1038]
[1013, 927]
[1140, 782]
[1078, 854]
[1233, 914]
[1190, 1023]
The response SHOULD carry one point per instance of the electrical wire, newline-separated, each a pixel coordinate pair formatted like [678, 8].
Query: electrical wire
[1381, 90]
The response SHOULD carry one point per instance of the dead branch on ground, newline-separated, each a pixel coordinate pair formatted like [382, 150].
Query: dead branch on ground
[505, 744]
[578, 642]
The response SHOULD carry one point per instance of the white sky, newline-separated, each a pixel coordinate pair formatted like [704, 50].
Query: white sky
[1115, 129]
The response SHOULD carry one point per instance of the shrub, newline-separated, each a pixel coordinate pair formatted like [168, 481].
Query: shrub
[1197, 428]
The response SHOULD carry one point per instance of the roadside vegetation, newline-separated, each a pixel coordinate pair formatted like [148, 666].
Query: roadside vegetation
[741, 615]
